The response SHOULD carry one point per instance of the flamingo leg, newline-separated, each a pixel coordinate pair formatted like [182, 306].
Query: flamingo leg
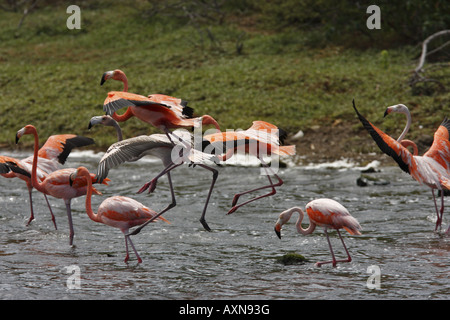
[442, 208]
[169, 133]
[127, 238]
[31, 206]
[69, 217]
[334, 261]
[215, 175]
[51, 212]
[127, 256]
[438, 214]
[170, 206]
[271, 185]
[151, 185]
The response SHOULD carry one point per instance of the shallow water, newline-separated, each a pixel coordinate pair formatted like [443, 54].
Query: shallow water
[237, 259]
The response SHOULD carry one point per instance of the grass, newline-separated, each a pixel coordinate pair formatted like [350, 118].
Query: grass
[50, 76]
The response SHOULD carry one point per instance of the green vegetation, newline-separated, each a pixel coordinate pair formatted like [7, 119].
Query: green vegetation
[291, 258]
[238, 67]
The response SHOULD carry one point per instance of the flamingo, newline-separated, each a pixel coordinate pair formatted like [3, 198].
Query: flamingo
[162, 111]
[401, 108]
[53, 153]
[56, 183]
[118, 211]
[328, 214]
[261, 139]
[431, 169]
[158, 145]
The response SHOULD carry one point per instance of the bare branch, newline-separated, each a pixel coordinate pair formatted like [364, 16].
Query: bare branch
[424, 48]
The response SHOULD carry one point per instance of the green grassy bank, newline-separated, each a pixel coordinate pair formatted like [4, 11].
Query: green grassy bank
[50, 75]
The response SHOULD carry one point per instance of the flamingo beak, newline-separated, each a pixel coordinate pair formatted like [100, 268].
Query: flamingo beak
[388, 110]
[19, 134]
[278, 230]
[71, 178]
[94, 121]
[102, 81]
[106, 76]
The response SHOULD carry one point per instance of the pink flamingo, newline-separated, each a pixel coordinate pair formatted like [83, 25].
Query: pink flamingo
[326, 213]
[261, 139]
[161, 111]
[53, 153]
[118, 211]
[56, 183]
[431, 169]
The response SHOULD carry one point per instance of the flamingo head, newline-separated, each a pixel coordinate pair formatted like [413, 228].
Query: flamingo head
[107, 75]
[80, 172]
[105, 120]
[114, 74]
[28, 129]
[282, 219]
[398, 108]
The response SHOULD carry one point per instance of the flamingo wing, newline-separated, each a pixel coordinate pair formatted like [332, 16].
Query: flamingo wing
[118, 99]
[389, 146]
[440, 149]
[179, 106]
[130, 150]
[58, 147]
[332, 214]
[12, 166]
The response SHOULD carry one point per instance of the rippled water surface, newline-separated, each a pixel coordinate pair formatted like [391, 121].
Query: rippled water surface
[237, 260]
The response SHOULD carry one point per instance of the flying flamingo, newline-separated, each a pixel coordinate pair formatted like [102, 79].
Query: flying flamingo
[158, 145]
[431, 169]
[162, 111]
[53, 153]
[328, 214]
[56, 183]
[261, 139]
[118, 211]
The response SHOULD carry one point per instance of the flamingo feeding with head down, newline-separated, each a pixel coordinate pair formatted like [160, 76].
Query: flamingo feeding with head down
[56, 183]
[261, 139]
[118, 211]
[328, 214]
[133, 149]
[431, 169]
[162, 111]
[53, 153]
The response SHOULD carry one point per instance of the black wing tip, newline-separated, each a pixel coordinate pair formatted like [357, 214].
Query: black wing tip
[75, 142]
[11, 166]
[282, 135]
[187, 111]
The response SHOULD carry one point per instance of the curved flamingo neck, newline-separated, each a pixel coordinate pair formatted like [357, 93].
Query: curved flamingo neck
[34, 180]
[123, 117]
[122, 77]
[408, 143]
[118, 130]
[93, 216]
[298, 224]
[408, 124]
